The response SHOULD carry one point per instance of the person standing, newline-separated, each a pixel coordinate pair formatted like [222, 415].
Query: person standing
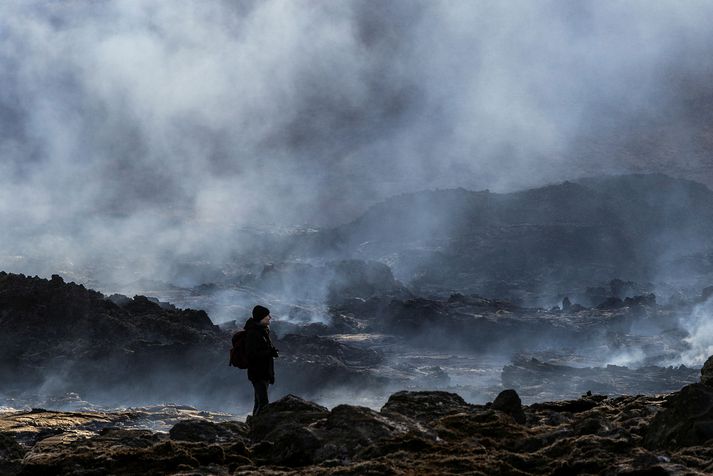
[261, 354]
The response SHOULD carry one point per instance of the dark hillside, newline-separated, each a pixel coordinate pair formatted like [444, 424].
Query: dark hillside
[574, 232]
[61, 337]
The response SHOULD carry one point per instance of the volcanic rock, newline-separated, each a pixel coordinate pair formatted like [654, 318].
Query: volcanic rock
[707, 372]
[200, 430]
[290, 444]
[686, 420]
[611, 303]
[9, 448]
[289, 410]
[425, 406]
[508, 401]
[415, 433]
[534, 377]
[317, 347]
[106, 349]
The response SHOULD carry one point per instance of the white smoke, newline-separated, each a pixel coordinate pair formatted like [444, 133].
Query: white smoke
[699, 325]
[137, 133]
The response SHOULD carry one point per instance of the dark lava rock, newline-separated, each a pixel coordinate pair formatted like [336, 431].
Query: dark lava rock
[318, 347]
[288, 410]
[687, 419]
[298, 433]
[112, 452]
[707, 372]
[508, 401]
[350, 429]
[590, 426]
[643, 300]
[611, 303]
[198, 430]
[571, 406]
[290, 444]
[90, 334]
[108, 348]
[425, 406]
[415, 433]
[9, 448]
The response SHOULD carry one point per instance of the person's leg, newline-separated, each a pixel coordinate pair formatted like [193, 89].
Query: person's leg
[261, 399]
[256, 406]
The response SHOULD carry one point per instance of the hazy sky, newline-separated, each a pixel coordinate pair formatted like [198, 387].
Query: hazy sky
[132, 126]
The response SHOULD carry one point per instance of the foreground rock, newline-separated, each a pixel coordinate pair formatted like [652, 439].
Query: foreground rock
[687, 418]
[413, 433]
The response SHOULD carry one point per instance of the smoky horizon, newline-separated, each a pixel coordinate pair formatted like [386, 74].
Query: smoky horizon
[149, 132]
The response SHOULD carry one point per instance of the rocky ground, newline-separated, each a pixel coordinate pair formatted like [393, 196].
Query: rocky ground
[413, 433]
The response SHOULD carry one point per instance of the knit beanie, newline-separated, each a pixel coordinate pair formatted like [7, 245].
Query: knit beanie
[259, 312]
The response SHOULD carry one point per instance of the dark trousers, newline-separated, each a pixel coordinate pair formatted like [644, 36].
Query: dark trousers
[260, 395]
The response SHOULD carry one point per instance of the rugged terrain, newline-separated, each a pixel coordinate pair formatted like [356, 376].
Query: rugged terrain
[73, 359]
[414, 432]
[60, 338]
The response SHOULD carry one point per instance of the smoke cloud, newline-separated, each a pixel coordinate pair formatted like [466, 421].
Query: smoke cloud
[137, 132]
[700, 334]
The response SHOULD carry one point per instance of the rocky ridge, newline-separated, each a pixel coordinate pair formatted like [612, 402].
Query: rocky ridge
[63, 338]
[66, 339]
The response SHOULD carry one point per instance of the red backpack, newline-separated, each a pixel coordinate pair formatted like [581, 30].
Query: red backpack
[238, 354]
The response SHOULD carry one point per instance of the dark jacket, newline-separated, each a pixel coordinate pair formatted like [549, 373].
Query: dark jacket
[261, 364]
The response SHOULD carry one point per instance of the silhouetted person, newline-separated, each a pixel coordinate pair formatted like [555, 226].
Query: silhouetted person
[260, 352]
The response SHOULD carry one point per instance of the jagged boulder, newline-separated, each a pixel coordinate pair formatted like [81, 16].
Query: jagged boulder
[687, 419]
[349, 430]
[481, 423]
[114, 451]
[295, 432]
[508, 401]
[611, 302]
[9, 448]
[642, 300]
[707, 372]
[425, 406]
[321, 346]
[206, 431]
[289, 444]
[562, 439]
[286, 412]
